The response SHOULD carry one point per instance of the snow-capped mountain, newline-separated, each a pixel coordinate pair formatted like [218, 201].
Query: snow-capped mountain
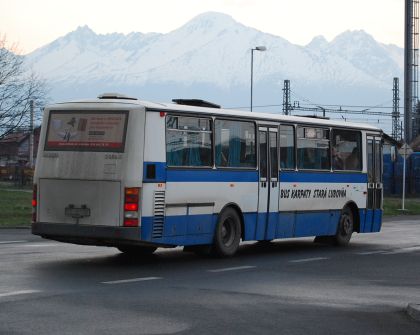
[209, 57]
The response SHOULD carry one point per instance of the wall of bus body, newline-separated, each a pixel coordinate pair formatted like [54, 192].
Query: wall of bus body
[309, 201]
[179, 205]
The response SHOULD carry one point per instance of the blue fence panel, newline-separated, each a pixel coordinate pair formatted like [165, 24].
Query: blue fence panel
[393, 175]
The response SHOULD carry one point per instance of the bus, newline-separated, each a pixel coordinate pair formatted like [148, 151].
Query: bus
[120, 172]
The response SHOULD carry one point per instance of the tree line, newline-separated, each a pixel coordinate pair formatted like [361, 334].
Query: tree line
[18, 86]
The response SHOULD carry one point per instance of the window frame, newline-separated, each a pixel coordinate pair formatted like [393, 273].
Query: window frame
[294, 127]
[242, 168]
[304, 125]
[211, 132]
[361, 154]
[277, 132]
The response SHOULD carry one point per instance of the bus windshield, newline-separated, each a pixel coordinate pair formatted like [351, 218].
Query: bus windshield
[86, 131]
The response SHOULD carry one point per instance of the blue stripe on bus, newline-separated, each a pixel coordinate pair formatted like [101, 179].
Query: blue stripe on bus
[322, 177]
[195, 175]
[199, 229]
[163, 174]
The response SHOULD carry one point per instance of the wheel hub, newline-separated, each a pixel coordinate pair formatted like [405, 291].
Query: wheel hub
[346, 224]
[228, 232]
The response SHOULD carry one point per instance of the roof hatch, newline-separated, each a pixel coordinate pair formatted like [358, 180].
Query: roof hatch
[115, 96]
[196, 102]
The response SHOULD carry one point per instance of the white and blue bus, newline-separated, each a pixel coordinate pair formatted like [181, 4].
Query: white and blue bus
[120, 172]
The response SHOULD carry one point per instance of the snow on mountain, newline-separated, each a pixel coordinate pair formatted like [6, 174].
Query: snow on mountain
[396, 53]
[364, 53]
[211, 53]
[318, 44]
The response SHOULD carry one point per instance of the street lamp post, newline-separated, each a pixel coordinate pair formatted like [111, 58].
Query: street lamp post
[260, 48]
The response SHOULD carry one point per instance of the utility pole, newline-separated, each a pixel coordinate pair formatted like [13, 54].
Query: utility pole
[286, 97]
[31, 136]
[396, 110]
[416, 116]
[252, 74]
[411, 50]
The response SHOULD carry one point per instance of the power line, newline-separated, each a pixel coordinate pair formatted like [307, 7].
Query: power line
[309, 102]
[298, 107]
[379, 106]
[326, 105]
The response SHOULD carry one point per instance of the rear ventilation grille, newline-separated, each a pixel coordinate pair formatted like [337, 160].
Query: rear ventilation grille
[158, 214]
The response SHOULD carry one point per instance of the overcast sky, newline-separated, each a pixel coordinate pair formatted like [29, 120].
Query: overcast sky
[34, 23]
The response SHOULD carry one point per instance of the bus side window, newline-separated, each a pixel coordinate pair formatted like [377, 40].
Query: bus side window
[346, 150]
[188, 141]
[287, 147]
[235, 144]
[313, 148]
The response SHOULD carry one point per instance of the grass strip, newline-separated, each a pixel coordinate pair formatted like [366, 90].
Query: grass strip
[15, 208]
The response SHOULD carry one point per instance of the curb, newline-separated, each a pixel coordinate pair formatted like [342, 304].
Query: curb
[15, 227]
[16, 190]
[414, 311]
[401, 217]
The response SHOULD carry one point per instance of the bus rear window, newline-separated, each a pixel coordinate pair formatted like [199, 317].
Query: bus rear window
[86, 131]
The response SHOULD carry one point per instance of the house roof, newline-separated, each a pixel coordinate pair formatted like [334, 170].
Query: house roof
[18, 137]
[14, 137]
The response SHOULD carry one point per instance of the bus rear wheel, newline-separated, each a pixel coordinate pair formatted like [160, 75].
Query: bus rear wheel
[136, 250]
[227, 234]
[345, 227]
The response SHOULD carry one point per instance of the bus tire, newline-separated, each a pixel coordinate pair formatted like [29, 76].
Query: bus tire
[136, 250]
[228, 233]
[345, 227]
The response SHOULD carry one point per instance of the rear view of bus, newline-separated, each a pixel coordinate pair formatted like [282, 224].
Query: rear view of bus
[87, 181]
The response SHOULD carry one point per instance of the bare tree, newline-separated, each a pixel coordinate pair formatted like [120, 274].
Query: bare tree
[18, 85]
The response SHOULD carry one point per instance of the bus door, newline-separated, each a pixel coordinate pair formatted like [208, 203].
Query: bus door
[268, 183]
[375, 186]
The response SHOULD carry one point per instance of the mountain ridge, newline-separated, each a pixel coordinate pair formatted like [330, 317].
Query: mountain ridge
[212, 50]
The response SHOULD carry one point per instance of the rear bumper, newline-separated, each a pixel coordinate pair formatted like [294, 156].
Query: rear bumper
[89, 235]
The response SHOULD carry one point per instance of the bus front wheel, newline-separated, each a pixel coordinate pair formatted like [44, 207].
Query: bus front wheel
[345, 227]
[227, 234]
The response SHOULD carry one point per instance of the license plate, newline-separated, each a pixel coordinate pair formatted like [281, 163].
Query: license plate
[77, 212]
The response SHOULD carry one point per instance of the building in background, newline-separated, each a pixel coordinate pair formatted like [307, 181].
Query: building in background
[15, 153]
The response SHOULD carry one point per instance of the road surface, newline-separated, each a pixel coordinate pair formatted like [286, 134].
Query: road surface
[284, 287]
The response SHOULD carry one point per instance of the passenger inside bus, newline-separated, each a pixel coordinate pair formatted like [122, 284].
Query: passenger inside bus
[353, 160]
[337, 161]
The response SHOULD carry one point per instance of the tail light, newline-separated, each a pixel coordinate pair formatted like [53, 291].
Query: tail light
[34, 202]
[131, 206]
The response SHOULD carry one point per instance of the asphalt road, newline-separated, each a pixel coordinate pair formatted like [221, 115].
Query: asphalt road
[286, 287]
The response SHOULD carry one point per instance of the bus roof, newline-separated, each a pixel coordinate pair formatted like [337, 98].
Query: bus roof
[167, 107]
